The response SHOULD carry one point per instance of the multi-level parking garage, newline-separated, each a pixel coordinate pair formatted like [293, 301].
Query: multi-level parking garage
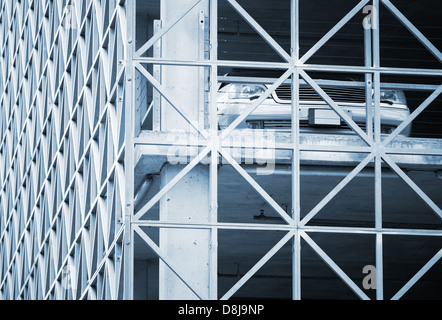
[220, 149]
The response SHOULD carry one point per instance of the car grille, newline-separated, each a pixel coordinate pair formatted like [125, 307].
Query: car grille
[287, 125]
[277, 124]
[339, 95]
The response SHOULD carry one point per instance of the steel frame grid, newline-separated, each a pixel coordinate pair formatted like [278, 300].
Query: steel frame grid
[37, 239]
[376, 149]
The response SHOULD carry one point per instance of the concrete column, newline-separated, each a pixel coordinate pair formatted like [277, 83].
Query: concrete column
[185, 41]
[188, 201]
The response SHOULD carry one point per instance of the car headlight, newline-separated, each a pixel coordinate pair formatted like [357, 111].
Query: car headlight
[396, 97]
[388, 96]
[255, 124]
[246, 91]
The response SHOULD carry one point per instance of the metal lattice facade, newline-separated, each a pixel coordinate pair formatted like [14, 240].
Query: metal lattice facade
[71, 140]
[62, 149]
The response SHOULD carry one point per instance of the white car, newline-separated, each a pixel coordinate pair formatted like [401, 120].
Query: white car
[316, 116]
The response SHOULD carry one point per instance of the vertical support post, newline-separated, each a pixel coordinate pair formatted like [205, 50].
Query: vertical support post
[368, 79]
[213, 131]
[377, 146]
[204, 50]
[190, 200]
[156, 116]
[129, 164]
[296, 197]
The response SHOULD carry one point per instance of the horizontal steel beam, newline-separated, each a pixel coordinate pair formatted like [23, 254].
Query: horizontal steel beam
[282, 141]
[219, 63]
[381, 70]
[286, 227]
[284, 65]
[330, 83]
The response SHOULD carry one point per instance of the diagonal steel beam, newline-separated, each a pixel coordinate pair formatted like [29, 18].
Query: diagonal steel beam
[413, 116]
[172, 183]
[165, 29]
[413, 29]
[418, 275]
[334, 267]
[258, 265]
[414, 186]
[260, 30]
[333, 31]
[336, 190]
[163, 256]
[166, 95]
[256, 103]
[336, 107]
[257, 187]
